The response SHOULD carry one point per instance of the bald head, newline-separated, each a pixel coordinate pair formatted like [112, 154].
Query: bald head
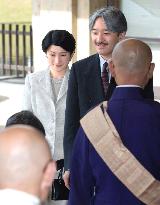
[132, 60]
[24, 155]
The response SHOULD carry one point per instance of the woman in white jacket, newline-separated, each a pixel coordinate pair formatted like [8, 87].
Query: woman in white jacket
[45, 91]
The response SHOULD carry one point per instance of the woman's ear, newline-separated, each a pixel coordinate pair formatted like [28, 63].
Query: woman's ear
[111, 67]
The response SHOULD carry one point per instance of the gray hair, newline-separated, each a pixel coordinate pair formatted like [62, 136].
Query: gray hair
[113, 18]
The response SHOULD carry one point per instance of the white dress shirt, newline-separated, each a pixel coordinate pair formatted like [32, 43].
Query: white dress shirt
[15, 197]
[102, 61]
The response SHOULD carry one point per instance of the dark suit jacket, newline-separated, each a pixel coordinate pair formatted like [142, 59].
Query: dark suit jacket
[85, 90]
[138, 123]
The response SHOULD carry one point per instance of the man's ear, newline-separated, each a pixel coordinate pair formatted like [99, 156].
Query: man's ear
[47, 179]
[151, 69]
[122, 36]
[111, 67]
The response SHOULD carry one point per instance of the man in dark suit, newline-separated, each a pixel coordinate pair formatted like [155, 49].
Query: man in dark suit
[108, 26]
[137, 121]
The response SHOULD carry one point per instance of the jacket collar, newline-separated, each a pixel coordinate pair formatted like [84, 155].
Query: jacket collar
[93, 81]
[64, 85]
[45, 82]
[127, 93]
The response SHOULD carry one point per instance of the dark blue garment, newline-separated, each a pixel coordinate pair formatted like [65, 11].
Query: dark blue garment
[138, 122]
[85, 91]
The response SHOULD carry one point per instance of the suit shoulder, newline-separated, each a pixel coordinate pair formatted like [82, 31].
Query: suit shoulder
[151, 106]
[156, 104]
[86, 61]
[37, 74]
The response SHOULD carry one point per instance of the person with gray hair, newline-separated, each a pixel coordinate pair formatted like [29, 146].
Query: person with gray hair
[113, 18]
[26, 165]
[90, 80]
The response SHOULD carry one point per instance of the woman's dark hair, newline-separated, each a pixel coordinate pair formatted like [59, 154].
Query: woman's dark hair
[60, 38]
[25, 117]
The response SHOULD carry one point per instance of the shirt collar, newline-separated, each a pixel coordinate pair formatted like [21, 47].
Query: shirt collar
[102, 61]
[136, 86]
[17, 197]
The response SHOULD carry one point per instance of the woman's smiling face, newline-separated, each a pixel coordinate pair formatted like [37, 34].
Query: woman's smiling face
[58, 58]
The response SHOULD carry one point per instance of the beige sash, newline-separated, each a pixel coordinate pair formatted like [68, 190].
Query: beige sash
[107, 142]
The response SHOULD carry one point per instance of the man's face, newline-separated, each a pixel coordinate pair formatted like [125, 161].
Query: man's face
[103, 40]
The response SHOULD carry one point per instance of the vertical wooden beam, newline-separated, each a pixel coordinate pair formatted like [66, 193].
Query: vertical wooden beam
[10, 48]
[24, 48]
[96, 4]
[3, 49]
[17, 49]
[115, 3]
[74, 8]
[31, 48]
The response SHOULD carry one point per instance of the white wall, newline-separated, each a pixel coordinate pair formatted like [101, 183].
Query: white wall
[46, 20]
[83, 34]
[60, 16]
[143, 19]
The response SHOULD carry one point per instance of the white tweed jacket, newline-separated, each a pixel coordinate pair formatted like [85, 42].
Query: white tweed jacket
[39, 98]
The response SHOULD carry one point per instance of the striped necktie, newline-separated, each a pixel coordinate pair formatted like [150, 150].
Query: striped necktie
[105, 77]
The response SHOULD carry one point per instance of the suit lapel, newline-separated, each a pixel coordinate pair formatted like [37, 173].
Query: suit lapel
[45, 83]
[94, 82]
[111, 88]
[93, 79]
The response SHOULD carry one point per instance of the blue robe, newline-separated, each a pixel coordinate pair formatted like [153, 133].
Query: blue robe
[138, 122]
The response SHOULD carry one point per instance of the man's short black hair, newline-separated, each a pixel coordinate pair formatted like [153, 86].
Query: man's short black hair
[27, 118]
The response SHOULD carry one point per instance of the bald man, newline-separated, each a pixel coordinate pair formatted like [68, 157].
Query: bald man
[137, 121]
[26, 166]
